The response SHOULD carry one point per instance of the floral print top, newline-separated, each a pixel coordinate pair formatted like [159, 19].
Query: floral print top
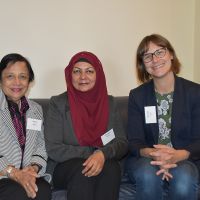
[164, 107]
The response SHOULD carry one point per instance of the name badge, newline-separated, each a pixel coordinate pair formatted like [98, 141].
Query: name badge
[107, 137]
[150, 114]
[34, 124]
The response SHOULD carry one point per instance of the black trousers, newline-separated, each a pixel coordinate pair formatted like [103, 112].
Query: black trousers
[105, 186]
[11, 190]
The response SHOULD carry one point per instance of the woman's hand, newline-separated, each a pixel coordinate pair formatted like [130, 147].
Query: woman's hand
[162, 158]
[94, 164]
[27, 178]
[163, 155]
[167, 157]
[151, 153]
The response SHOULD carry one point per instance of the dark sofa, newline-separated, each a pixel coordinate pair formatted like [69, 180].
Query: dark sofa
[127, 189]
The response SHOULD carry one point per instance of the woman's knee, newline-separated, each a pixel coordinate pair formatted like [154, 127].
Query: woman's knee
[185, 179]
[111, 167]
[186, 172]
[67, 170]
[148, 184]
[10, 190]
[44, 190]
[143, 170]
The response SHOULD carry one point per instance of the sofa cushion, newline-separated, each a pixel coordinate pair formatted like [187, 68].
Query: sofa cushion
[59, 195]
[127, 189]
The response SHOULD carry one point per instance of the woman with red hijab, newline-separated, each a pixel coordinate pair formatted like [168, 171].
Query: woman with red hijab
[84, 135]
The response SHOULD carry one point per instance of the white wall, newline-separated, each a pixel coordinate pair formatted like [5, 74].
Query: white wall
[50, 32]
[197, 43]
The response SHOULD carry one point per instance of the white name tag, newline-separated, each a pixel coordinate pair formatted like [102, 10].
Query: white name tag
[34, 124]
[108, 136]
[150, 114]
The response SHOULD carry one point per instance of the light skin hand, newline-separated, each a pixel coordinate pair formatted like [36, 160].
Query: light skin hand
[145, 152]
[94, 164]
[163, 157]
[157, 155]
[166, 174]
[27, 178]
[163, 154]
[167, 157]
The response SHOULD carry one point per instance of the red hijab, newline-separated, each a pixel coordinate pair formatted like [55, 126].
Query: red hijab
[89, 110]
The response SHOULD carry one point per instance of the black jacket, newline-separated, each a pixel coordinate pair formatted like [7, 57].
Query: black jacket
[61, 141]
[185, 125]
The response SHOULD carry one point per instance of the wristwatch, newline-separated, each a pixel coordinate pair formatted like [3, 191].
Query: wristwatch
[9, 171]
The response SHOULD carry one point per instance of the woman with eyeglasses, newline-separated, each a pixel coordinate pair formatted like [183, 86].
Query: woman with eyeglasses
[163, 125]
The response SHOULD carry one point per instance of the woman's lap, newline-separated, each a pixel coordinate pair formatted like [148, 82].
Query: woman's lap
[68, 176]
[184, 183]
[10, 190]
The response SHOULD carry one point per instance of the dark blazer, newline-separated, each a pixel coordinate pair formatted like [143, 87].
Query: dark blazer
[61, 141]
[185, 126]
[10, 151]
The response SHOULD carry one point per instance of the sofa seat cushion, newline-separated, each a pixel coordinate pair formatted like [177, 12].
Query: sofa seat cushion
[127, 189]
[59, 195]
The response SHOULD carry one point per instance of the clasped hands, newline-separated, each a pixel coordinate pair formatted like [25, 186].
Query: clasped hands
[27, 178]
[94, 164]
[163, 156]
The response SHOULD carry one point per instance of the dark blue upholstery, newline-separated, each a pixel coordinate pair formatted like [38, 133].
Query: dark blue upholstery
[59, 195]
[127, 189]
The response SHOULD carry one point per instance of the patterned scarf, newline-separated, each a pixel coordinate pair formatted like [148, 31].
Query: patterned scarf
[19, 120]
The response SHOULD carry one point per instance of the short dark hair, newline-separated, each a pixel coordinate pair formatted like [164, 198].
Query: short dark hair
[12, 59]
[159, 40]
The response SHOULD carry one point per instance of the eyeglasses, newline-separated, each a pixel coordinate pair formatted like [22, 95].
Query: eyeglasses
[159, 53]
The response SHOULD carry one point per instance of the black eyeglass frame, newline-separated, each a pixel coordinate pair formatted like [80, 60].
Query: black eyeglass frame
[156, 53]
